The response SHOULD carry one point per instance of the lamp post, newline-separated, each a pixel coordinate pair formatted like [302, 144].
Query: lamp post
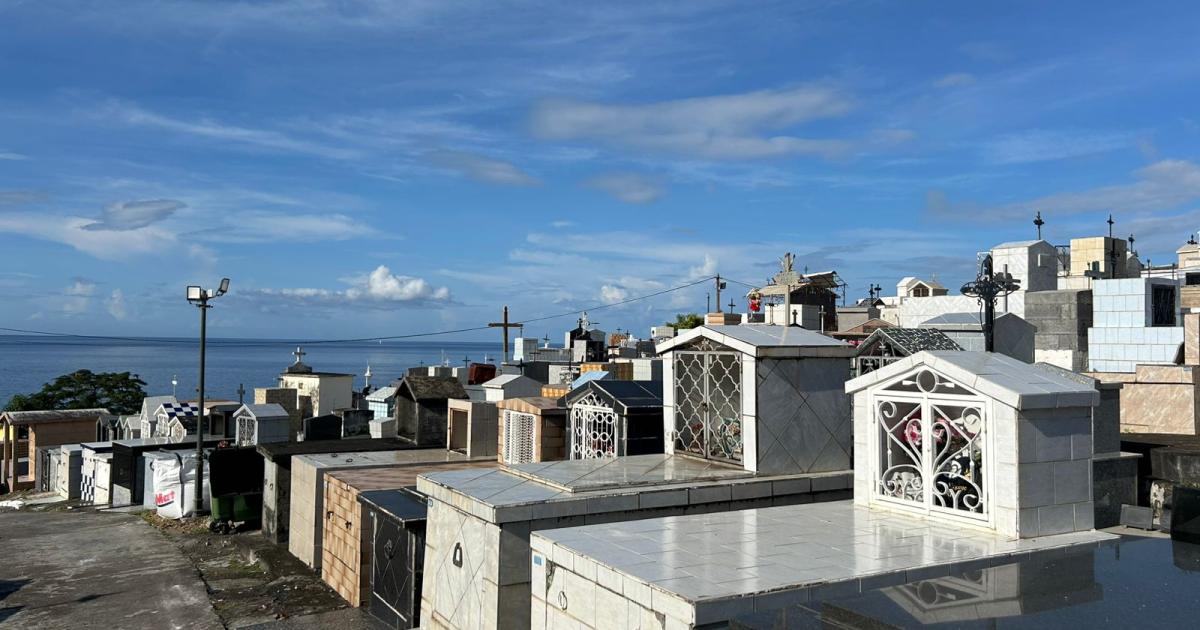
[199, 297]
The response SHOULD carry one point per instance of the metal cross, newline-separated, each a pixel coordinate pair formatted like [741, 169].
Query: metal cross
[1039, 223]
[241, 393]
[299, 354]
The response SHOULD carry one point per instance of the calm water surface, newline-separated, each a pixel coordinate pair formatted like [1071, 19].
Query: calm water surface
[26, 363]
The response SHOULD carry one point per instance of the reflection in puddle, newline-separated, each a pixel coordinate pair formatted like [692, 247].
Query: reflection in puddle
[1133, 583]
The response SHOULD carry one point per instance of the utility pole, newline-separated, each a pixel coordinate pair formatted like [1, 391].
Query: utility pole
[241, 393]
[720, 285]
[707, 302]
[505, 325]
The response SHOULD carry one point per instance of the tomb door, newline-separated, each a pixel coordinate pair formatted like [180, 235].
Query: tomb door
[518, 437]
[593, 429]
[931, 447]
[708, 402]
[245, 430]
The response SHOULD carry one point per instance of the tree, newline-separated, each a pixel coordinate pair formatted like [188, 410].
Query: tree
[684, 321]
[119, 392]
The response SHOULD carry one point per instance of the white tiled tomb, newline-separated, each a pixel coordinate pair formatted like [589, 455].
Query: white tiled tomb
[755, 416]
[962, 459]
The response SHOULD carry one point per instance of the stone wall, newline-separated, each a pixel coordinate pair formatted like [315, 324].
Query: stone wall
[1162, 399]
[1061, 319]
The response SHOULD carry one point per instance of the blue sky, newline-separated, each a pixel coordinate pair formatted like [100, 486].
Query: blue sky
[367, 168]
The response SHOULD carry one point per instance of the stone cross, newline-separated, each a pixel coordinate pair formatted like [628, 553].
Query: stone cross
[299, 353]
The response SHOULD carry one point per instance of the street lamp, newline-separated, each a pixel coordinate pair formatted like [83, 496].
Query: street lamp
[199, 297]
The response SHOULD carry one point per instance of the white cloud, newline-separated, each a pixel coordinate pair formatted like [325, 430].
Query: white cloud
[257, 227]
[483, 169]
[131, 215]
[735, 126]
[610, 294]
[628, 187]
[562, 224]
[1160, 186]
[73, 231]
[379, 287]
[81, 287]
[10, 155]
[1043, 145]
[704, 269]
[116, 304]
[225, 133]
[955, 79]
[382, 284]
[77, 298]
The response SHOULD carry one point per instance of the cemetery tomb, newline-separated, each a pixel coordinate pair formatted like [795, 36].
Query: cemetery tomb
[963, 459]
[46, 473]
[753, 416]
[88, 480]
[471, 427]
[307, 497]
[320, 428]
[259, 424]
[103, 478]
[277, 475]
[768, 399]
[70, 469]
[509, 386]
[394, 531]
[615, 418]
[346, 541]
[131, 477]
[477, 533]
[531, 430]
[421, 408]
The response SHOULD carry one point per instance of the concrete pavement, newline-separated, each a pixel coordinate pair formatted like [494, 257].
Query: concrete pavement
[85, 569]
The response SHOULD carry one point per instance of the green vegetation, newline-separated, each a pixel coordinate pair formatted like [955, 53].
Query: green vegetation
[119, 392]
[685, 321]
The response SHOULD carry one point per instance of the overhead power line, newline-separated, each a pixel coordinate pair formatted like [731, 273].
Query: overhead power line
[310, 342]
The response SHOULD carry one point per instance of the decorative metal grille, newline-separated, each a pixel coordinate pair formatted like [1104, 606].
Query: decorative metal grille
[931, 446]
[518, 437]
[593, 429]
[245, 431]
[708, 402]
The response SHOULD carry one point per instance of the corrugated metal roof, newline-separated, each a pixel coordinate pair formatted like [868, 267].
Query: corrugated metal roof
[911, 340]
[53, 415]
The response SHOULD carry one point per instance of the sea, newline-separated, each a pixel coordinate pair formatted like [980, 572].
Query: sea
[28, 362]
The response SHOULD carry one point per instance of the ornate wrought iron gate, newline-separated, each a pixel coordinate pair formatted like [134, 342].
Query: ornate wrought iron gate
[931, 449]
[708, 402]
[518, 437]
[593, 429]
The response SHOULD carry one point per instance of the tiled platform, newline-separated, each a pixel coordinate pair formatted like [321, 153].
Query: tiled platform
[558, 489]
[477, 571]
[707, 568]
[638, 470]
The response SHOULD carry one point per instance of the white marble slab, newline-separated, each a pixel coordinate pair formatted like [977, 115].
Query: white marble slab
[704, 568]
